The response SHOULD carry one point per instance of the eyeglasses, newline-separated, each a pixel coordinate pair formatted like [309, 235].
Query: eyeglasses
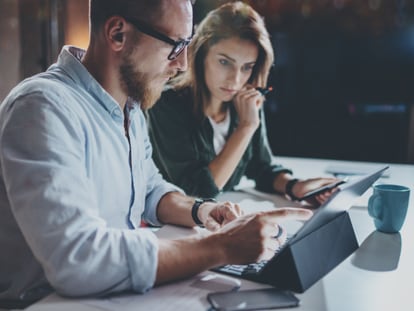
[178, 46]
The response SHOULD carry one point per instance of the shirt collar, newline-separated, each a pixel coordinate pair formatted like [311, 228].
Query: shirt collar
[70, 61]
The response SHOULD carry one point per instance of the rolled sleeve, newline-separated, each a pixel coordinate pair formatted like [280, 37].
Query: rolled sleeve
[264, 181]
[143, 268]
[158, 188]
[201, 183]
[260, 167]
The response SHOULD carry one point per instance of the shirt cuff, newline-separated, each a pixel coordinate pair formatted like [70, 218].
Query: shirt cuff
[265, 182]
[151, 204]
[142, 256]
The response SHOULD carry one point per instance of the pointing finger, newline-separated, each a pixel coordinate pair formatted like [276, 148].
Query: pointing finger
[286, 213]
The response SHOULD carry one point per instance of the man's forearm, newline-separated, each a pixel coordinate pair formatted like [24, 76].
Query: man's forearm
[179, 259]
[175, 208]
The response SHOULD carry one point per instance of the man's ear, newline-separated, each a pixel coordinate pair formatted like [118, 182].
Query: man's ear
[119, 36]
[114, 32]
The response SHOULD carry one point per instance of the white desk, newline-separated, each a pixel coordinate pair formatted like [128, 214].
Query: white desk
[378, 276]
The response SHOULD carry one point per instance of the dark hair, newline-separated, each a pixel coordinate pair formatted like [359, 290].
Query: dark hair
[235, 19]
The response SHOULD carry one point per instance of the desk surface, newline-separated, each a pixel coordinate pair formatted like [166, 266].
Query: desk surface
[377, 276]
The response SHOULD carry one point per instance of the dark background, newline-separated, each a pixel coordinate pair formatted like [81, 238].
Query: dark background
[343, 78]
[343, 73]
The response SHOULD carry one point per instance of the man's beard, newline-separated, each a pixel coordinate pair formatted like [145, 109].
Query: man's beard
[137, 84]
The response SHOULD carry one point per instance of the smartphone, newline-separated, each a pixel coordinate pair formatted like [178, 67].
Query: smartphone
[256, 299]
[322, 189]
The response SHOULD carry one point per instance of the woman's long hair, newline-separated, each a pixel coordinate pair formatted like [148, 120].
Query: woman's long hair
[231, 20]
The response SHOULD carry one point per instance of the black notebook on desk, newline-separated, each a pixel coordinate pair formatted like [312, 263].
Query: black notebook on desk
[323, 242]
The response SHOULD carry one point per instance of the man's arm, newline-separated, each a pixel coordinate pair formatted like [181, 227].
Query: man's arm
[179, 259]
[175, 208]
[246, 239]
[55, 202]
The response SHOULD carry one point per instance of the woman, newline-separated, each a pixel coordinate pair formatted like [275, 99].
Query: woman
[208, 129]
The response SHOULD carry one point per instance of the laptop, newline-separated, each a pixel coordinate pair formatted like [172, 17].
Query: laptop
[315, 242]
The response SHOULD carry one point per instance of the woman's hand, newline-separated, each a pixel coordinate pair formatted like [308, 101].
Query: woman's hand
[304, 186]
[247, 103]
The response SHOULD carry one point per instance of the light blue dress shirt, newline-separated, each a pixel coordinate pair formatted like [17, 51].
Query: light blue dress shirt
[71, 202]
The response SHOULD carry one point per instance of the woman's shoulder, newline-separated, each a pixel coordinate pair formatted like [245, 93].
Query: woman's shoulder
[174, 105]
[174, 100]
[179, 96]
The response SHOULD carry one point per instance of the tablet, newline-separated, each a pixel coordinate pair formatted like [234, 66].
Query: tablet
[256, 299]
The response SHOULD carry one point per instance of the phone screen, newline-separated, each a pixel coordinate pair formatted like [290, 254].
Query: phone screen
[268, 298]
[322, 189]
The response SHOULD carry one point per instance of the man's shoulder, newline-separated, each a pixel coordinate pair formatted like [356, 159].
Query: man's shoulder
[36, 91]
[41, 83]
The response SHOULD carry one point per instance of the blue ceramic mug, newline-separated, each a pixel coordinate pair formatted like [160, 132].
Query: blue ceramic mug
[388, 206]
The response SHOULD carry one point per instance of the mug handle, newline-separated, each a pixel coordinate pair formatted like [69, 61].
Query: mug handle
[374, 204]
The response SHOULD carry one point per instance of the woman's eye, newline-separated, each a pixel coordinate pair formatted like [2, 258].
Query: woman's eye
[247, 68]
[223, 61]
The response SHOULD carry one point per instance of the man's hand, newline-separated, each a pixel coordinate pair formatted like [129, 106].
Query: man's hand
[215, 215]
[244, 239]
[251, 238]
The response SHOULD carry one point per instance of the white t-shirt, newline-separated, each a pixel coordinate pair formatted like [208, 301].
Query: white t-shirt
[221, 131]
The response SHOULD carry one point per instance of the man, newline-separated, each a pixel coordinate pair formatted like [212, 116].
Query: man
[76, 174]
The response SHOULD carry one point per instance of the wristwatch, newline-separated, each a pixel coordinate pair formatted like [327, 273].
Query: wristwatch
[289, 187]
[196, 206]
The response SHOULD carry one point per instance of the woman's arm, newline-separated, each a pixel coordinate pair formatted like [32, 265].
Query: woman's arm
[180, 148]
[247, 104]
[223, 166]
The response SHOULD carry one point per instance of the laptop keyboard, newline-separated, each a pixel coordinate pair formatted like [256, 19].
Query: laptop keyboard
[250, 269]
[240, 270]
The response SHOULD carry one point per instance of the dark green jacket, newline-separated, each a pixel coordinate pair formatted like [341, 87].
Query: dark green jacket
[183, 148]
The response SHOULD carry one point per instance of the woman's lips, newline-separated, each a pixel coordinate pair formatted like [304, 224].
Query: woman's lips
[228, 91]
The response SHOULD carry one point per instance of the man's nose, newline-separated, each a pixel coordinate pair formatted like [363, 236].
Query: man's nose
[181, 61]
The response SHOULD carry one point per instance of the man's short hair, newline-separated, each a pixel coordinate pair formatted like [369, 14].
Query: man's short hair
[144, 10]
[101, 10]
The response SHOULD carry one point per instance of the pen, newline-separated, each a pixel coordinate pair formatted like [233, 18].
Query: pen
[264, 91]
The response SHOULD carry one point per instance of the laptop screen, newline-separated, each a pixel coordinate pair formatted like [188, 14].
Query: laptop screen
[340, 201]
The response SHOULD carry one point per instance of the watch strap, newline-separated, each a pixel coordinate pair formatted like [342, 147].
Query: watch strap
[289, 188]
[195, 208]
